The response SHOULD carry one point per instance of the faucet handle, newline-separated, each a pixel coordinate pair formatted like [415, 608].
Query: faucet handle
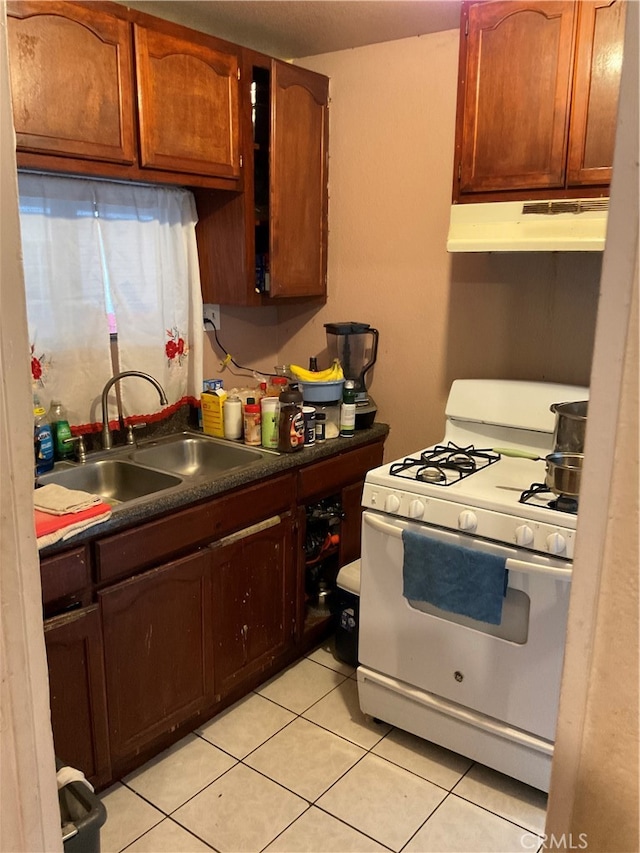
[80, 449]
[131, 439]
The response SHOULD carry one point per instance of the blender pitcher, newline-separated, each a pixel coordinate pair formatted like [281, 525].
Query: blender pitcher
[356, 345]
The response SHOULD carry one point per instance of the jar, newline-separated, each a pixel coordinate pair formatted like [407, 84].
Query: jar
[270, 411]
[290, 421]
[276, 385]
[252, 432]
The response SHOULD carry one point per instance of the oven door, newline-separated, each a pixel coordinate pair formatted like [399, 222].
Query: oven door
[510, 672]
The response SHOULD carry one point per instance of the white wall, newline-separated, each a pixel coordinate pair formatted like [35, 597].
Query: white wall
[29, 813]
[440, 317]
[594, 785]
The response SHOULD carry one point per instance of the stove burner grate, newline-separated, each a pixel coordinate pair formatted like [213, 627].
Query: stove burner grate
[444, 465]
[562, 503]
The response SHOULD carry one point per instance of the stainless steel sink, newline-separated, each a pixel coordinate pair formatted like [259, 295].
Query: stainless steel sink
[191, 455]
[114, 480]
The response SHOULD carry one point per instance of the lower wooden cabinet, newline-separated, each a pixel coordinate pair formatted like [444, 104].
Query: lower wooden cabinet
[158, 652]
[254, 609]
[77, 692]
[213, 602]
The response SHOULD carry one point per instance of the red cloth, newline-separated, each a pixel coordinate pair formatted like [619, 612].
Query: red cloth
[47, 523]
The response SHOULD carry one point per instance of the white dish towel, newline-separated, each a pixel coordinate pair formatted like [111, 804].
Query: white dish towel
[58, 500]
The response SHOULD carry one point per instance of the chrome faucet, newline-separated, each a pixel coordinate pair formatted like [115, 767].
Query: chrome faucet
[106, 432]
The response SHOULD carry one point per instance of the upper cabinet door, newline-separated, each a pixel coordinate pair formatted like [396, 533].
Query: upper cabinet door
[188, 105]
[298, 181]
[596, 90]
[71, 81]
[517, 84]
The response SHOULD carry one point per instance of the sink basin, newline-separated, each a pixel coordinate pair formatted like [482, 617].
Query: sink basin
[189, 455]
[113, 479]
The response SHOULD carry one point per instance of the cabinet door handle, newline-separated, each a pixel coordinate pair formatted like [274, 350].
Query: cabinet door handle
[247, 531]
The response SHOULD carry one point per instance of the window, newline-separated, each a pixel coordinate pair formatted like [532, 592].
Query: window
[101, 256]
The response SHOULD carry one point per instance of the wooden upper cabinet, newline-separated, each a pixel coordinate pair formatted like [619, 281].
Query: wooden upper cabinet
[298, 192]
[537, 98]
[188, 105]
[71, 81]
[597, 87]
[518, 80]
[270, 242]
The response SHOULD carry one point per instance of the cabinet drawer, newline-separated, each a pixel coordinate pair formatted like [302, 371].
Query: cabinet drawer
[144, 546]
[65, 575]
[332, 474]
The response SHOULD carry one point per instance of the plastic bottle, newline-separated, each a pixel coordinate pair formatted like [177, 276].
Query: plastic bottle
[42, 439]
[291, 421]
[348, 409]
[252, 434]
[232, 409]
[60, 430]
[270, 413]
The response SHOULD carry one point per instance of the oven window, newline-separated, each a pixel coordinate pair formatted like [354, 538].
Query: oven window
[515, 617]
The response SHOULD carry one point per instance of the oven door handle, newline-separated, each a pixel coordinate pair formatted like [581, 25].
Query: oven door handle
[562, 573]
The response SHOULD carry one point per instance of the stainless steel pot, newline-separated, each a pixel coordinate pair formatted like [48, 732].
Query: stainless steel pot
[571, 425]
[564, 471]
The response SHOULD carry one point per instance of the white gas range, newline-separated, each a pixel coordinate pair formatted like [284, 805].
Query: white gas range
[486, 689]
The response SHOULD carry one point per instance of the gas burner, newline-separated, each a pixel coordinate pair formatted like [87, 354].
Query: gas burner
[443, 465]
[561, 503]
[431, 474]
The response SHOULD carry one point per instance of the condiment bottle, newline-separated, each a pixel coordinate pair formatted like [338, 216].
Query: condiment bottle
[291, 421]
[232, 409]
[321, 419]
[348, 409]
[60, 430]
[276, 385]
[252, 422]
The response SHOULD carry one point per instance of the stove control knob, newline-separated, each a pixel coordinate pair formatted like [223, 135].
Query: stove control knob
[392, 503]
[556, 543]
[524, 535]
[467, 520]
[416, 509]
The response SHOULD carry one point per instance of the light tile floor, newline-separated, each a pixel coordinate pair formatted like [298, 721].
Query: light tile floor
[296, 766]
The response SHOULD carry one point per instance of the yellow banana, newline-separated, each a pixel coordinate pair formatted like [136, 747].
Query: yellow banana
[331, 374]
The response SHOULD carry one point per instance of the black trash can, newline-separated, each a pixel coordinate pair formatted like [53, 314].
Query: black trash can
[82, 814]
[348, 612]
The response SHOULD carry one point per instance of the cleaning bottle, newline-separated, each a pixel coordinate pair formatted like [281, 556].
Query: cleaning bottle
[42, 439]
[61, 431]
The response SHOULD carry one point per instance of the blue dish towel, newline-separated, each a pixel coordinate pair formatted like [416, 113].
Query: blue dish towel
[453, 578]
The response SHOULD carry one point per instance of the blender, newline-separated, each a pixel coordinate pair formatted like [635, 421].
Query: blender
[356, 345]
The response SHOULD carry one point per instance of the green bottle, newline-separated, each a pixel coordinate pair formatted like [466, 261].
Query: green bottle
[61, 430]
[348, 410]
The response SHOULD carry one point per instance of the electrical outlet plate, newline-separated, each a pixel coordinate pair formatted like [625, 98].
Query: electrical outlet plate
[211, 317]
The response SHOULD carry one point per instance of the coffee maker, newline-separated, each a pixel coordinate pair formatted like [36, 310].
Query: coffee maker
[356, 345]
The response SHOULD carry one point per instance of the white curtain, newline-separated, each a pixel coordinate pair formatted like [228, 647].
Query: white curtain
[103, 256]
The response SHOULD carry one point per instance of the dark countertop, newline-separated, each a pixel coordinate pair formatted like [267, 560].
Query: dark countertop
[164, 502]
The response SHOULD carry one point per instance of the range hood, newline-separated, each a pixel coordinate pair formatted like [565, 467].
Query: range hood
[566, 225]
